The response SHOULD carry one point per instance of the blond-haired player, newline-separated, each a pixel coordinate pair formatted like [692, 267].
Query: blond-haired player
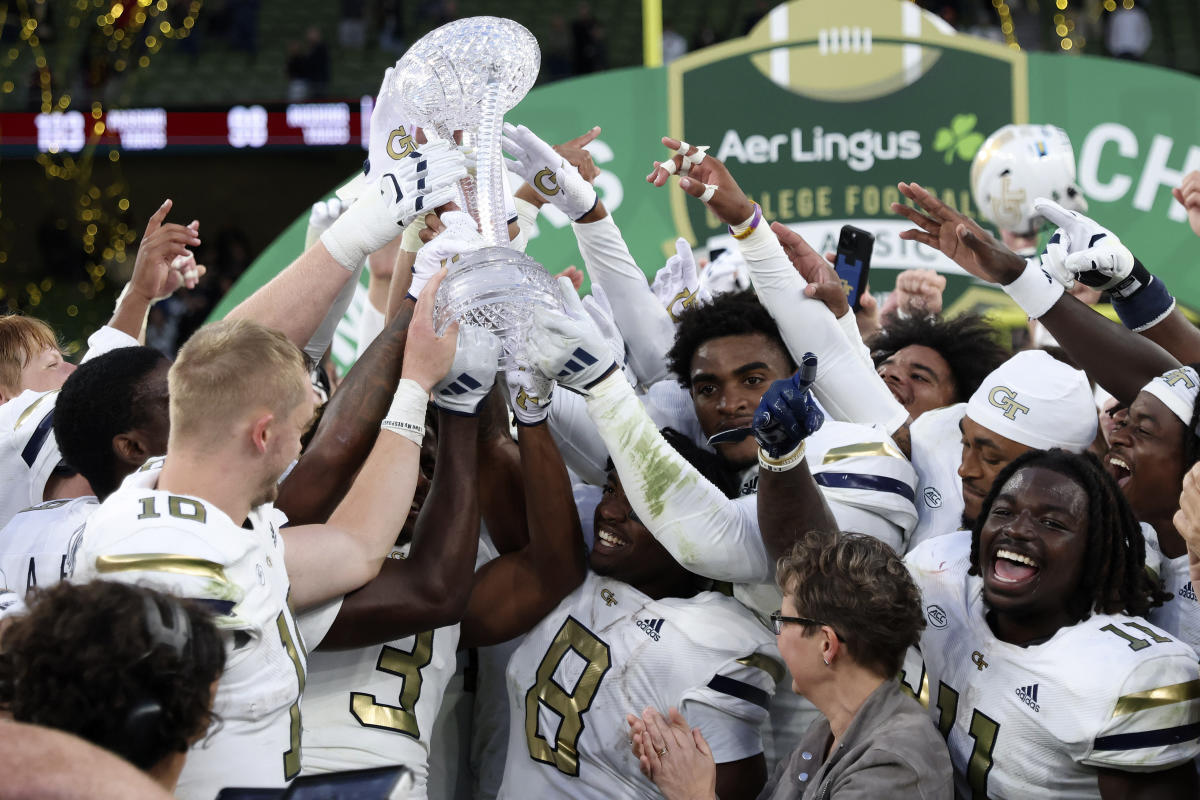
[200, 523]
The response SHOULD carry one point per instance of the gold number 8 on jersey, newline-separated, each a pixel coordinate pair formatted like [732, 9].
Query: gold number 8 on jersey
[571, 707]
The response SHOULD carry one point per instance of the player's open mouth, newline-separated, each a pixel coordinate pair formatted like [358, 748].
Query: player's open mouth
[609, 539]
[1010, 567]
[1119, 468]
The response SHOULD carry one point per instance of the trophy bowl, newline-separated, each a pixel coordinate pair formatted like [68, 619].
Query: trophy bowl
[496, 288]
[442, 79]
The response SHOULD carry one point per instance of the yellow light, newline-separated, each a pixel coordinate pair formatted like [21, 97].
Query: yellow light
[1061, 30]
[113, 155]
[72, 311]
[161, 5]
[91, 229]
[1066, 44]
[1059, 19]
[165, 27]
[119, 8]
[98, 128]
[151, 41]
[47, 285]
[8, 86]
[1128, 4]
[144, 61]
[97, 111]
[1061, 4]
[1110, 5]
[189, 22]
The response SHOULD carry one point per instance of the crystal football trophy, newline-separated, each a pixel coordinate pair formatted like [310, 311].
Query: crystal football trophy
[463, 77]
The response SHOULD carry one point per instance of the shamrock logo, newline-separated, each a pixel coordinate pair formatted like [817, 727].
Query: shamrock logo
[960, 138]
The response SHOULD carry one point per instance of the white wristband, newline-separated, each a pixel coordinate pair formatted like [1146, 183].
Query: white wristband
[407, 414]
[783, 463]
[1035, 291]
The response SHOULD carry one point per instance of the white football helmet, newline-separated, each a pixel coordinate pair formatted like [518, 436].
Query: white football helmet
[1017, 164]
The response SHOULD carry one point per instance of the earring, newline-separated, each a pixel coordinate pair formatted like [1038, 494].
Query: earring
[826, 660]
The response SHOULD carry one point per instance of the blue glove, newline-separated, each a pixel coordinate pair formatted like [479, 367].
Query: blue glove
[787, 413]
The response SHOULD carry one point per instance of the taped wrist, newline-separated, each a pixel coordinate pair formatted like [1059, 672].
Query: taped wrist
[1141, 300]
[406, 417]
[1034, 291]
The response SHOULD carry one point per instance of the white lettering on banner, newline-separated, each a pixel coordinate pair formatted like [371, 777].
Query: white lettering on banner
[247, 126]
[60, 130]
[139, 128]
[321, 123]
[859, 150]
[1155, 174]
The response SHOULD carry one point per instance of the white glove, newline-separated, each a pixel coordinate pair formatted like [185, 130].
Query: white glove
[569, 346]
[600, 310]
[1083, 250]
[392, 138]
[460, 236]
[323, 214]
[421, 182]
[726, 273]
[676, 285]
[471, 375]
[552, 176]
[529, 393]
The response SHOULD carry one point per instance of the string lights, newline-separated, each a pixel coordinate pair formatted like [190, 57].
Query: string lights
[1006, 24]
[115, 40]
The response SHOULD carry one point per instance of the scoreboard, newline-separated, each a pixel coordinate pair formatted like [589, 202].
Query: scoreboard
[328, 124]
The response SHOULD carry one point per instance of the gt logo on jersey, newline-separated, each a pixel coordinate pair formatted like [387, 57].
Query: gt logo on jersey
[977, 660]
[608, 597]
[1005, 399]
[652, 627]
[1182, 374]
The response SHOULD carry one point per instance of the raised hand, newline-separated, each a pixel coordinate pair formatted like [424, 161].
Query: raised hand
[427, 356]
[471, 374]
[576, 153]
[675, 756]
[457, 233]
[1188, 195]
[567, 345]
[164, 262]
[529, 395]
[552, 175]
[677, 284]
[417, 183]
[918, 293]
[726, 198]
[823, 283]
[1083, 249]
[787, 413]
[958, 236]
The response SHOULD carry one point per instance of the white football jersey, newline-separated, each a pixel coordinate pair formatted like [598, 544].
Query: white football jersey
[35, 542]
[28, 451]
[190, 548]
[376, 706]
[1112, 691]
[608, 650]
[936, 456]
[1179, 616]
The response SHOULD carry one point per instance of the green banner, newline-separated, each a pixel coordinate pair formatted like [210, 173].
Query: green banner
[825, 105]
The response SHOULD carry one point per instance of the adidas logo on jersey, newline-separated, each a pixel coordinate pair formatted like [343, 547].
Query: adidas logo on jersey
[1028, 694]
[1187, 591]
[652, 627]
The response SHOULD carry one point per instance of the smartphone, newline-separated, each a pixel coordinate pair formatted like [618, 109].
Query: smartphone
[853, 262]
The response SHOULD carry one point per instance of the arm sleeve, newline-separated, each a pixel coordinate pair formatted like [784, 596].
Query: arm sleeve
[1154, 723]
[320, 340]
[849, 325]
[845, 386]
[105, 340]
[370, 325]
[583, 451]
[730, 709]
[701, 528]
[645, 325]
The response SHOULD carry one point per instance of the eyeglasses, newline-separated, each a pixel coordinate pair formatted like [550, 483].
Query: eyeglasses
[777, 620]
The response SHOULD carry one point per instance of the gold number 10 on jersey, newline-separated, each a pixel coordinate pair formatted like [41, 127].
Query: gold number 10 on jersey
[568, 705]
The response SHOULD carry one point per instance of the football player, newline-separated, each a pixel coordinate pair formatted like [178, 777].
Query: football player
[240, 401]
[32, 366]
